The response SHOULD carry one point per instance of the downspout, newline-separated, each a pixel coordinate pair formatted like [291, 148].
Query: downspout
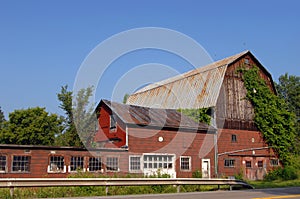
[214, 124]
[127, 132]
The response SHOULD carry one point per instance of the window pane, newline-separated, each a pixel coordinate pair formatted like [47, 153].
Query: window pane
[95, 164]
[112, 163]
[76, 163]
[57, 163]
[21, 164]
[2, 163]
[135, 163]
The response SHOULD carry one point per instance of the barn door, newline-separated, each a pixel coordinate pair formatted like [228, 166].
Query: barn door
[206, 168]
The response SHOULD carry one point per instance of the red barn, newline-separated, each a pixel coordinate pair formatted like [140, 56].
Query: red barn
[219, 86]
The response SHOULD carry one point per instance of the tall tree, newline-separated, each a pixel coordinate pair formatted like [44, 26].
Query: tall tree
[288, 88]
[2, 118]
[79, 123]
[33, 126]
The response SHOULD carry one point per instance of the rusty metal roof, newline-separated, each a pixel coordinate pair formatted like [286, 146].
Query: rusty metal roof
[153, 117]
[194, 89]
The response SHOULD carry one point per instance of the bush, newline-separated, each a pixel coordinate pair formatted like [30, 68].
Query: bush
[286, 173]
[197, 174]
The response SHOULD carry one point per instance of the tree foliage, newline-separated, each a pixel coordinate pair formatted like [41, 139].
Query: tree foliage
[2, 118]
[288, 88]
[79, 121]
[198, 115]
[32, 126]
[271, 114]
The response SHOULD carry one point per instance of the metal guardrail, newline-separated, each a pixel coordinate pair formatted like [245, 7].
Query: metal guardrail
[12, 183]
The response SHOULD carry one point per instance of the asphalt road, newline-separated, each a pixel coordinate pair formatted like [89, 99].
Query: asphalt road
[278, 193]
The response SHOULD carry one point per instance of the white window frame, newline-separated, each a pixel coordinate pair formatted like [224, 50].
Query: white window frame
[70, 166]
[118, 164]
[130, 164]
[21, 171]
[189, 163]
[101, 165]
[5, 166]
[49, 170]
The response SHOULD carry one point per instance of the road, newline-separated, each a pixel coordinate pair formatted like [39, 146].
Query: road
[278, 193]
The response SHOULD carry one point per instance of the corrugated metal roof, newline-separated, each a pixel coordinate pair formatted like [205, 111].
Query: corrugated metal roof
[145, 116]
[194, 89]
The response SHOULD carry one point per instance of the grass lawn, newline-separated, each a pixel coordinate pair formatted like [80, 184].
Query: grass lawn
[274, 184]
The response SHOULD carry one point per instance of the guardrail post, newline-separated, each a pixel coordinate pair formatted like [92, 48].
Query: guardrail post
[178, 188]
[106, 190]
[230, 187]
[11, 192]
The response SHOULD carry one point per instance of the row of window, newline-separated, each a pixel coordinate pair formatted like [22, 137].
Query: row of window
[248, 164]
[57, 164]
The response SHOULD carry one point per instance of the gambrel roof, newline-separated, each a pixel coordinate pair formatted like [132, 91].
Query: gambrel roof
[198, 88]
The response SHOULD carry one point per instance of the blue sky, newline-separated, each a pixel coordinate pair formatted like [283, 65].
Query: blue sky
[43, 43]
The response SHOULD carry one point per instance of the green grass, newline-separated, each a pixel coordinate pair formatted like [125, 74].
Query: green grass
[275, 184]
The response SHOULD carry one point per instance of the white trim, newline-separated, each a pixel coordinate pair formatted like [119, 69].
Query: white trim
[141, 164]
[203, 168]
[190, 163]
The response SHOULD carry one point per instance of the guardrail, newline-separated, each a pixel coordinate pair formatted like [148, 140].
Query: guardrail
[12, 183]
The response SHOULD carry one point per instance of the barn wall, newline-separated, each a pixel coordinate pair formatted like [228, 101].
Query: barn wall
[233, 110]
[105, 132]
[196, 145]
[40, 160]
[249, 146]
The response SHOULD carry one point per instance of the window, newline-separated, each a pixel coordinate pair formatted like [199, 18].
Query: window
[229, 163]
[233, 138]
[95, 164]
[56, 164]
[248, 164]
[246, 61]
[113, 122]
[2, 164]
[76, 163]
[274, 162]
[112, 164]
[21, 164]
[185, 163]
[260, 164]
[135, 163]
[158, 161]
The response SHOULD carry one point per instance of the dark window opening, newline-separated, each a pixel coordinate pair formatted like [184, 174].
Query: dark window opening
[113, 122]
[229, 163]
[260, 164]
[21, 164]
[248, 164]
[2, 163]
[233, 138]
[76, 163]
[95, 164]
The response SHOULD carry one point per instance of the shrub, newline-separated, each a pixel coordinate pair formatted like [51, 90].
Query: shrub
[197, 174]
[286, 173]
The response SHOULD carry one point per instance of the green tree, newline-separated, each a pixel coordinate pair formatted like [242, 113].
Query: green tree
[32, 126]
[2, 118]
[125, 98]
[79, 119]
[288, 88]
